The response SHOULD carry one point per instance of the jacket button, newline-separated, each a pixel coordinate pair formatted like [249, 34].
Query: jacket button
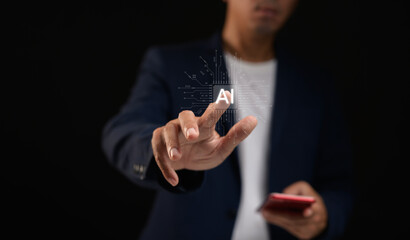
[138, 168]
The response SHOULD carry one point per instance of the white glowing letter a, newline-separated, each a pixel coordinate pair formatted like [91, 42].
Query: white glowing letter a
[222, 96]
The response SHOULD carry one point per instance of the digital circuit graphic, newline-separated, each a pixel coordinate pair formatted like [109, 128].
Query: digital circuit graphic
[204, 87]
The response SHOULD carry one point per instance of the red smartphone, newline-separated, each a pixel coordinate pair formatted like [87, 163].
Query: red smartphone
[288, 202]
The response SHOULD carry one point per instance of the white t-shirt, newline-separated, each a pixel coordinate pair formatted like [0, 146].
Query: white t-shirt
[254, 85]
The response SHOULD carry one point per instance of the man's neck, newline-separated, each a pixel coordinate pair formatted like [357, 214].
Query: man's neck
[247, 46]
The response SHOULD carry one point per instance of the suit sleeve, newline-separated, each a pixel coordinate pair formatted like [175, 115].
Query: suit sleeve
[333, 178]
[127, 137]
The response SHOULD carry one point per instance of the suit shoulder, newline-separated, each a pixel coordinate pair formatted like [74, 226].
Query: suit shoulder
[178, 52]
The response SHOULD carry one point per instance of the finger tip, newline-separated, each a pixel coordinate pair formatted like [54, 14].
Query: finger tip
[254, 119]
[222, 105]
[191, 137]
[191, 133]
[228, 94]
[174, 154]
[173, 181]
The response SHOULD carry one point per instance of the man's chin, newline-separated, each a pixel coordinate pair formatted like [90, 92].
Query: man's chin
[265, 30]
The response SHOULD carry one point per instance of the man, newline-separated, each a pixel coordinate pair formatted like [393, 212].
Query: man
[206, 188]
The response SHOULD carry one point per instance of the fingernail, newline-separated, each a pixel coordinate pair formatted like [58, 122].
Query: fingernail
[173, 152]
[190, 132]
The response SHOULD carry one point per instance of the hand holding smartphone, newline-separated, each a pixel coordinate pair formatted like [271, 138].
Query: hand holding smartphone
[287, 202]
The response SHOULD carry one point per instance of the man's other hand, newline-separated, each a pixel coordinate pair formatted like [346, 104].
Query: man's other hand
[308, 224]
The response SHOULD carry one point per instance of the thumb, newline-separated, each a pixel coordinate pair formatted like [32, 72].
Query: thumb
[237, 134]
[299, 188]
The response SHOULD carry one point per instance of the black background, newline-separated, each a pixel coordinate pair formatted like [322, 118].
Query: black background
[73, 66]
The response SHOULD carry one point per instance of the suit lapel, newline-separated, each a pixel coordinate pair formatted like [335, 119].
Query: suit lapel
[279, 116]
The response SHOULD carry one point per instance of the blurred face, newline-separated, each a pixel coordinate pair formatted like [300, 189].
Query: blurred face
[261, 16]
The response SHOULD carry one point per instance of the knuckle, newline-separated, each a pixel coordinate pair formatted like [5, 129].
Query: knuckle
[184, 113]
[303, 183]
[156, 137]
[170, 136]
[153, 142]
[211, 106]
[154, 149]
[169, 125]
[157, 132]
[169, 143]
[169, 128]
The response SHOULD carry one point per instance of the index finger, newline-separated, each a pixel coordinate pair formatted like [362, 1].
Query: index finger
[214, 112]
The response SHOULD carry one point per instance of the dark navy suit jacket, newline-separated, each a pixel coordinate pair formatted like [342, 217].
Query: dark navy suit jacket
[308, 142]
